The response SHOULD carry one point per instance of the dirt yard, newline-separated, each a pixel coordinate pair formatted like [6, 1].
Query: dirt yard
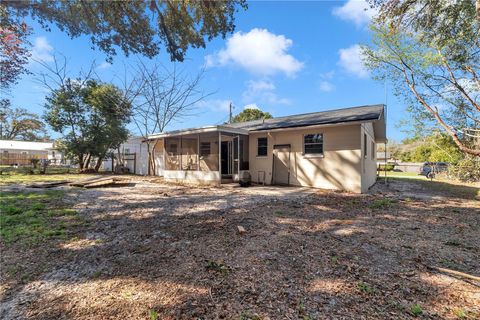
[158, 251]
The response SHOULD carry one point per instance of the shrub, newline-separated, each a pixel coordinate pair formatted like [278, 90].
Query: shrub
[387, 167]
[467, 169]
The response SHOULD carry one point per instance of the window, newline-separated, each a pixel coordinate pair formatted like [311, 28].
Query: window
[373, 150]
[173, 148]
[262, 147]
[364, 145]
[204, 149]
[313, 143]
[126, 150]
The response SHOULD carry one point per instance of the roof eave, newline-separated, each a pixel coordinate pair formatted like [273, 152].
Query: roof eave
[198, 131]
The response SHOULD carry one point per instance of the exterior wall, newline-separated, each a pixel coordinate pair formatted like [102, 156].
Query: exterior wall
[338, 168]
[369, 158]
[199, 177]
[158, 156]
[132, 145]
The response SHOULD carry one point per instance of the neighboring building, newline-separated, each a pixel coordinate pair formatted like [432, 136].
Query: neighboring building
[332, 149]
[13, 152]
[382, 156]
[134, 154]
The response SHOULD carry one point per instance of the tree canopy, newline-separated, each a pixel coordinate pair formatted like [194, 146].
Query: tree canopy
[429, 51]
[250, 114]
[135, 26]
[91, 117]
[20, 124]
[437, 147]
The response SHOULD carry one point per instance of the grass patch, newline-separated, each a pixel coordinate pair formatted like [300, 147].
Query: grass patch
[416, 310]
[32, 217]
[365, 287]
[217, 267]
[399, 174]
[384, 203]
[450, 188]
[16, 178]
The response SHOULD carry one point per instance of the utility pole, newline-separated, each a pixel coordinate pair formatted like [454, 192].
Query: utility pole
[230, 114]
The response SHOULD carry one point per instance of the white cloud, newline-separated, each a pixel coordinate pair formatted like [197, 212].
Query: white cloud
[326, 86]
[262, 91]
[327, 75]
[251, 106]
[217, 105]
[42, 50]
[259, 52]
[351, 61]
[104, 65]
[356, 11]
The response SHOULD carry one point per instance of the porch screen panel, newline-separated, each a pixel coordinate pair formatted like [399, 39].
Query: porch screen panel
[208, 152]
[172, 154]
[244, 153]
[189, 153]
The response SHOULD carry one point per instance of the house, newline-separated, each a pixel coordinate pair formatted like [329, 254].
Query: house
[333, 149]
[134, 155]
[14, 152]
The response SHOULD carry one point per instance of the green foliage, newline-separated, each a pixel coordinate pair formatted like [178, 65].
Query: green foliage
[20, 124]
[250, 114]
[437, 147]
[33, 217]
[153, 314]
[134, 26]
[459, 313]
[91, 117]
[467, 169]
[387, 167]
[381, 203]
[217, 267]
[416, 310]
[365, 287]
[429, 51]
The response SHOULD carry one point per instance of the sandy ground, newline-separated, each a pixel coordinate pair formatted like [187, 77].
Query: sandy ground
[176, 252]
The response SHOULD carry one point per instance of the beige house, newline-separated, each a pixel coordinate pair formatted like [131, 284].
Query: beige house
[333, 149]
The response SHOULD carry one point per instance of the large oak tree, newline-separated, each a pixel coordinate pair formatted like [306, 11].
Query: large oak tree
[133, 26]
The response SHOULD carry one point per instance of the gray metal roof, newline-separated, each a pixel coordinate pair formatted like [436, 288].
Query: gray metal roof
[354, 114]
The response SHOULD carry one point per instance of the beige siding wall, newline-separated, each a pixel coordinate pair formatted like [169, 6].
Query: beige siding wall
[369, 157]
[339, 168]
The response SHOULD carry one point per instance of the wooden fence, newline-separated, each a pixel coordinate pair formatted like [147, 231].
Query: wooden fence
[20, 159]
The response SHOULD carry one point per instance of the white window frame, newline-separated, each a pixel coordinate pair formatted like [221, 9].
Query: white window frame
[262, 156]
[313, 155]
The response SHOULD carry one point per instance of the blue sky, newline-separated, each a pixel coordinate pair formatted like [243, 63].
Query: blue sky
[284, 57]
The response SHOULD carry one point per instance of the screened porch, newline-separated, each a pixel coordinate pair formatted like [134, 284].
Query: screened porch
[205, 155]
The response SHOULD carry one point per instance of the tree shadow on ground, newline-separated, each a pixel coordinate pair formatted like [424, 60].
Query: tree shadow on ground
[324, 255]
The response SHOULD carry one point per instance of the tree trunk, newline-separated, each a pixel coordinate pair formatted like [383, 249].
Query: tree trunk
[99, 163]
[87, 162]
[81, 163]
[477, 5]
